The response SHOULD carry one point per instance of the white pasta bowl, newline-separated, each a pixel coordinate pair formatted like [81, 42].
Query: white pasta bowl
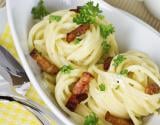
[131, 34]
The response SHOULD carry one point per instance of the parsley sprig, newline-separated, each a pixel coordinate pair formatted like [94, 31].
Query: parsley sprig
[102, 87]
[106, 30]
[88, 14]
[91, 119]
[77, 41]
[118, 60]
[106, 47]
[124, 72]
[66, 69]
[39, 11]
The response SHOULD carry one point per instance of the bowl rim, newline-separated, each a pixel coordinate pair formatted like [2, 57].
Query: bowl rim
[30, 74]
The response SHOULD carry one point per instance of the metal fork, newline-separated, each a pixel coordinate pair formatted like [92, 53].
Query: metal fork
[10, 69]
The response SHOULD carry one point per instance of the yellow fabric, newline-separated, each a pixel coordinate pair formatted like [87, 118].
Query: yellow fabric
[7, 41]
[16, 113]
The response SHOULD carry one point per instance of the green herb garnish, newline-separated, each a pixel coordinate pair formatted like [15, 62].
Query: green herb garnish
[106, 47]
[124, 72]
[39, 11]
[106, 30]
[54, 18]
[77, 41]
[117, 87]
[88, 14]
[102, 87]
[118, 60]
[101, 17]
[131, 84]
[66, 69]
[91, 119]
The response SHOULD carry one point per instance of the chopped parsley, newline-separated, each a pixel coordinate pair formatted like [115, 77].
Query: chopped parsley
[131, 84]
[118, 60]
[39, 11]
[77, 41]
[66, 69]
[101, 17]
[106, 30]
[91, 119]
[106, 47]
[124, 72]
[117, 87]
[88, 14]
[54, 18]
[102, 87]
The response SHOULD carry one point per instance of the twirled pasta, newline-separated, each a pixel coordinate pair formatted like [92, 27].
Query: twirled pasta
[92, 63]
[49, 39]
[124, 96]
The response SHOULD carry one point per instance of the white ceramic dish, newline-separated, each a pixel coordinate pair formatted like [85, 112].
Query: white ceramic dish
[131, 33]
[3, 19]
[154, 7]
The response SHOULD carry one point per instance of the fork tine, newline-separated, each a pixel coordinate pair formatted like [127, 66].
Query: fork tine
[9, 64]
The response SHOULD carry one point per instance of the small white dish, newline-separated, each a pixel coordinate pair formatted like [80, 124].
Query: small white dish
[154, 7]
[131, 33]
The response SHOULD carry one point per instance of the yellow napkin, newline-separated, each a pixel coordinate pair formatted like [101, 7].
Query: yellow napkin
[18, 115]
[7, 42]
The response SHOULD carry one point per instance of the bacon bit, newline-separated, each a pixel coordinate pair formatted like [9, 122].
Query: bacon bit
[82, 97]
[77, 32]
[44, 63]
[72, 103]
[79, 91]
[107, 63]
[74, 100]
[152, 89]
[116, 120]
[82, 85]
[77, 10]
